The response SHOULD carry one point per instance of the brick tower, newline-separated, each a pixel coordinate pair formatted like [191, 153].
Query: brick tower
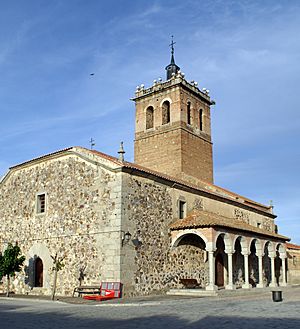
[172, 129]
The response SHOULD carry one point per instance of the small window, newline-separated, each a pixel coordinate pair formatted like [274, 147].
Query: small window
[165, 112]
[182, 209]
[41, 203]
[259, 225]
[201, 119]
[189, 113]
[149, 117]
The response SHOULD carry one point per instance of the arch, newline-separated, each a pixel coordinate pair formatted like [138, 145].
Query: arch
[268, 250]
[269, 247]
[239, 244]
[166, 117]
[242, 240]
[257, 244]
[38, 272]
[176, 240]
[221, 260]
[227, 240]
[149, 117]
[253, 262]
[188, 259]
[38, 250]
[281, 249]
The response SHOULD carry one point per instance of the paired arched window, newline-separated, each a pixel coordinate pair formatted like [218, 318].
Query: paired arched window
[201, 119]
[188, 110]
[165, 112]
[150, 117]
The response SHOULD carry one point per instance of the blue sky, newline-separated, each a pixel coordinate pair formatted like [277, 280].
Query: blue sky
[246, 52]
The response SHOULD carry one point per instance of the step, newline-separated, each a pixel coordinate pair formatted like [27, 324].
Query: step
[192, 292]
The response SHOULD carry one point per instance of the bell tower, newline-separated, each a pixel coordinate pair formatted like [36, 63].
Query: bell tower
[172, 127]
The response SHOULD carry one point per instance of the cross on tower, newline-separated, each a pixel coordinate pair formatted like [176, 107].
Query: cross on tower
[172, 44]
[92, 143]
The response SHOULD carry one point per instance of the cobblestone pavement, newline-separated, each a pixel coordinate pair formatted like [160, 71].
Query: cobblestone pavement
[250, 311]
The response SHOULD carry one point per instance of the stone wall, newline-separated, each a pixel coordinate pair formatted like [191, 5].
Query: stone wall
[155, 266]
[293, 266]
[80, 221]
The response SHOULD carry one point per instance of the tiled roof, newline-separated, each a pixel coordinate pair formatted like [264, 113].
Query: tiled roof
[292, 246]
[41, 157]
[199, 185]
[198, 219]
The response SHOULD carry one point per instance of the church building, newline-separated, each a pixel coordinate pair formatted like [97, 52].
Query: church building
[151, 225]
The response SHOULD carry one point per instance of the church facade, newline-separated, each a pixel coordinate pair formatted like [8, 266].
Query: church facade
[148, 224]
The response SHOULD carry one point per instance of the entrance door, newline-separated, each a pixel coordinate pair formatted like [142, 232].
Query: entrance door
[219, 270]
[38, 280]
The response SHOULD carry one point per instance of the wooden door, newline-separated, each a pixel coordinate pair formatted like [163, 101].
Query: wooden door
[38, 282]
[219, 270]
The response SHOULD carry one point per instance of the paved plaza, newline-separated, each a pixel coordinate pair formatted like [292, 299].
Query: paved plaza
[228, 311]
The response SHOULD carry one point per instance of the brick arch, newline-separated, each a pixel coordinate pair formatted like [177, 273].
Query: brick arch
[176, 240]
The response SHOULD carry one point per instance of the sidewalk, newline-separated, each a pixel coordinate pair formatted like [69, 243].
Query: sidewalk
[288, 293]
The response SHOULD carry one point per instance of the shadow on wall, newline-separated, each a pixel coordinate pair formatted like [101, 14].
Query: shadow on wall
[30, 270]
[62, 319]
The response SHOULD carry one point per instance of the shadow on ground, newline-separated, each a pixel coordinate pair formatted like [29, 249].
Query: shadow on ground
[12, 316]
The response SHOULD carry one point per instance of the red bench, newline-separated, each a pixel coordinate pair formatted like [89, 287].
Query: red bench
[108, 290]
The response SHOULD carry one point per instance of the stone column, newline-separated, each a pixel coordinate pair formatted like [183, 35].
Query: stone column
[211, 264]
[273, 278]
[260, 271]
[230, 285]
[246, 285]
[283, 283]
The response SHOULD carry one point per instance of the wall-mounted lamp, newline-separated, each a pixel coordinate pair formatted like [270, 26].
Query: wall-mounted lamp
[126, 237]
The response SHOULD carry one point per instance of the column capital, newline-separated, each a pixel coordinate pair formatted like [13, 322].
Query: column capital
[260, 254]
[210, 249]
[272, 254]
[245, 253]
[229, 251]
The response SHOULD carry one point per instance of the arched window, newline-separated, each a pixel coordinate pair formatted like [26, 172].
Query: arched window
[188, 113]
[150, 117]
[38, 272]
[165, 112]
[201, 119]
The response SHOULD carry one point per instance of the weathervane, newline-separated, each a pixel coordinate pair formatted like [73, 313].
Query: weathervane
[92, 143]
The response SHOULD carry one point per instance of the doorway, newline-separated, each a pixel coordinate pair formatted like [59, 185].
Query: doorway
[219, 270]
[38, 273]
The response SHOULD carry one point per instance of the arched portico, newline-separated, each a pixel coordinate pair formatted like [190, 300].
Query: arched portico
[236, 260]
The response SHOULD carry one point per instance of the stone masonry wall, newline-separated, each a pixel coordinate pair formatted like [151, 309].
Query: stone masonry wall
[152, 266]
[80, 202]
